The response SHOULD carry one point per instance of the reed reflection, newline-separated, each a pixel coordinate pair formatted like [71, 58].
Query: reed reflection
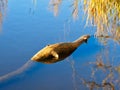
[115, 36]
[32, 9]
[3, 6]
[102, 73]
[103, 14]
[54, 6]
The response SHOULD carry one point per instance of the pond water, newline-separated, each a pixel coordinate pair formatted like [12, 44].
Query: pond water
[29, 25]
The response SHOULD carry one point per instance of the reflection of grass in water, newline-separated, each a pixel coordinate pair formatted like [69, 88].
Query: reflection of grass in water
[0, 19]
[54, 6]
[33, 8]
[3, 5]
[75, 9]
[103, 73]
[104, 14]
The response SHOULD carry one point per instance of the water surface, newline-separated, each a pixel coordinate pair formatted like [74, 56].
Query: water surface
[28, 26]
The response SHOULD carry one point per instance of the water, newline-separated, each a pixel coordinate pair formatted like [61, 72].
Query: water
[28, 26]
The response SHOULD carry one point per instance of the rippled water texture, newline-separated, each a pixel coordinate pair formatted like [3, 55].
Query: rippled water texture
[29, 25]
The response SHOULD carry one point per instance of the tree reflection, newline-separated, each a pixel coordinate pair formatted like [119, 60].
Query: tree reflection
[3, 5]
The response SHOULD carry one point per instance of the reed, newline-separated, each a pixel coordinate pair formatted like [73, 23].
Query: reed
[105, 15]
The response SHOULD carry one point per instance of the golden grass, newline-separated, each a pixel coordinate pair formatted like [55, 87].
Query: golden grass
[105, 15]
